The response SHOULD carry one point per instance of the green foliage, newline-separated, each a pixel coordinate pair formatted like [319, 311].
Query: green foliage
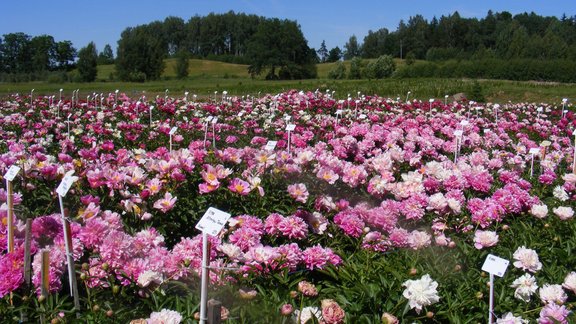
[106, 56]
[334, 55]
[476, 93]
[382, 67]
[182, 64]
[280, 45]
[351, 48]
[87, 62]
[140, 54]
[338, 72]
[356, 65]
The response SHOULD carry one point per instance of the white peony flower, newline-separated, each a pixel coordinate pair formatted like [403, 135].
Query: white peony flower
[509, 318]
[307, 314]
[525, 287]
[552, 294]
[421, 292]
[560, 194]
[148, 278]
[570, 282]
[165, 316]
[527, 259]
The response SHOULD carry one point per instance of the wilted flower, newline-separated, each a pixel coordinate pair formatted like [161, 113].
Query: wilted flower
[421, 292]
[247, 294]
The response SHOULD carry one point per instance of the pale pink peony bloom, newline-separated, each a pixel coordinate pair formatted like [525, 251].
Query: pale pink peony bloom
[539, 211]
[564, 213]
[307, 315]
[552, 294]
[419, 239]
[165, 316]
[527, 259]
[483, 239]
[307, 289]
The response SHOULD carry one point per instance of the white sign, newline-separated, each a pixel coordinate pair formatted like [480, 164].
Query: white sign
[209, 118]
[339, 112]
[495, 265]
[151, 107]
[240, 114]
[534, 150]
[66, 183]
[290, 127]
[214, 120]
[458, 132]
[362, 116]
[69, 115]
[464, 123]
[213, 221]
[540, 109]
[574, 132]
[287, 118]
[270, 145]
[12, 172]
[173, 130]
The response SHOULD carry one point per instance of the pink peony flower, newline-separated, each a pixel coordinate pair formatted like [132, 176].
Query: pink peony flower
[570, 282]
[293, 227]
[239, 186]
[166, 203]
[165, 316]
[299, 192]
[332, 313]
[554, 314]
[307, 289]
[539, 211]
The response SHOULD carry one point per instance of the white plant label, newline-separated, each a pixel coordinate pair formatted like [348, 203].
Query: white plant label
[464, 123]
[458, 133]
[213, 221]
[540, 109]
[240, 114]
[209, 118]
[534, 150]
[173, 130]
[339, 112]
[290, 127]
[66, 183]
[287, 118]
[12, 172]
[362, 116]
[574, 132]
[271, 145]
[214, 120]
[495, 265]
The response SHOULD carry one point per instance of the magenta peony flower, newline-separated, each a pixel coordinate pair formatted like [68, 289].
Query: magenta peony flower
[239, 186]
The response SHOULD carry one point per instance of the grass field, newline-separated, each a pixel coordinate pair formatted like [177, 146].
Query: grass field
[205, 77]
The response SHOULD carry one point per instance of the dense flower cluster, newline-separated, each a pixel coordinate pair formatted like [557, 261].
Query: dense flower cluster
[385, 174]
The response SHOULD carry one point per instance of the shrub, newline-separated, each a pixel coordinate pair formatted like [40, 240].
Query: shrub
[338, 72]
[383, 67]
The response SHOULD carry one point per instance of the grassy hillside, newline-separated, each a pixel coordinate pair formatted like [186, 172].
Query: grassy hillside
[208, 76]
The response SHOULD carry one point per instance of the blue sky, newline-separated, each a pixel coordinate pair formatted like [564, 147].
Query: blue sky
[102, 21]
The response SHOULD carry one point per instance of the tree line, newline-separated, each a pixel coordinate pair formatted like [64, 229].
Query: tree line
[496, 36]
[269, 45]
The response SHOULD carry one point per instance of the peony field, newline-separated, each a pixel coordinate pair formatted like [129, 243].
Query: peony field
[351, 209]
